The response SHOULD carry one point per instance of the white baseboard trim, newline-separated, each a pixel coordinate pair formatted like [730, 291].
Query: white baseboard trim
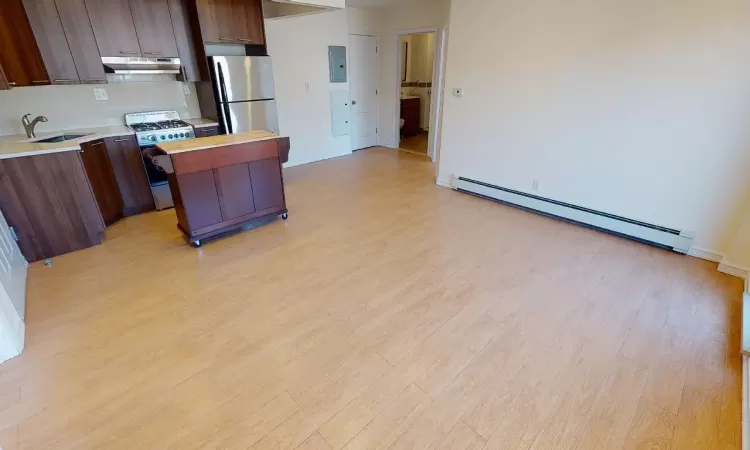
[708, 255]
[444, 183]
[732, 269]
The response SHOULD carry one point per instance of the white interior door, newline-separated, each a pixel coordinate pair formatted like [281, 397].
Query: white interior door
[364, 75]
[13, 267]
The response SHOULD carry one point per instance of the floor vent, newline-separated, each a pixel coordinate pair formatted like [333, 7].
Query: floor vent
[676, 240]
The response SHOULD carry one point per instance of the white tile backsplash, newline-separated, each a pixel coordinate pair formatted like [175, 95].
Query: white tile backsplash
[69, 107]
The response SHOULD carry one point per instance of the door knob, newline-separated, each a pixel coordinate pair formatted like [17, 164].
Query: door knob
[354, 102]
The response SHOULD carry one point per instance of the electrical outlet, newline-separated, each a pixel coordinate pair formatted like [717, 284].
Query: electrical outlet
[186, 89]
[100, 94]
[535, 185]
[458, 92]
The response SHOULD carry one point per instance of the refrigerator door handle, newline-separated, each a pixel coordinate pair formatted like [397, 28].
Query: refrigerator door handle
[225, 98]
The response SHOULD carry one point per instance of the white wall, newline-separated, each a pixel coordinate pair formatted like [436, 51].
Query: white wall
[738, 251]
[299, 48]
[69, 107]
[409, 16]
[636, 108]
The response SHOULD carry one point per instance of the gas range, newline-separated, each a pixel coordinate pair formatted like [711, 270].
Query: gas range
[155, 127]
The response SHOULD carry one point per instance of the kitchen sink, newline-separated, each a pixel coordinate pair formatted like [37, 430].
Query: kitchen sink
[64, 137]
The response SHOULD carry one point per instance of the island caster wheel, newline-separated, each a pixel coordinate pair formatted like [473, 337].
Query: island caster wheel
[285, 216]
[197, 244]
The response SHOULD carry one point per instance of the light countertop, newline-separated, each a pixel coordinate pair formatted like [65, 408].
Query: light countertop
[223, 140]
[202, 123]
[18, 145]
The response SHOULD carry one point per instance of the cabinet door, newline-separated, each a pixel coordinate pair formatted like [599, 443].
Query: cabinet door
[153, 24]
[3, 81]
[127, 163]
[113, 27]
[81, 40]
[19, 54]
[200, 199]
[248, 21]
[235, 191]
[184, 37]
[103, 181]
[268, 189]
[50, 37]
[216, 20]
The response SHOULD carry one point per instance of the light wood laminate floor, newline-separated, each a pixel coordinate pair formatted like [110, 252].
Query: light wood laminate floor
[386, 312]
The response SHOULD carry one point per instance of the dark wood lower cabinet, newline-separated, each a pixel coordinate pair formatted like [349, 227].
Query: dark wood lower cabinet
[206, 132]
[224, 188]
[411, 109]
[130, 173]
[48, 201]
[103, 182]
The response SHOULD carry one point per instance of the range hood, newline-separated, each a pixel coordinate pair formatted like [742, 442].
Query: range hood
[138, 65]
[277, 9]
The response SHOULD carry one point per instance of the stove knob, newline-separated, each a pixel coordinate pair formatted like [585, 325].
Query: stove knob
[170, 136]
[182, 135]
[152, 138]
[163, 137]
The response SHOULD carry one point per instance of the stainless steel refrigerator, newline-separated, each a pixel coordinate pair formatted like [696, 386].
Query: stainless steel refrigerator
[241, 94]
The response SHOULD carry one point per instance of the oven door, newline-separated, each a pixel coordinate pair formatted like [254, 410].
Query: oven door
[157, 178]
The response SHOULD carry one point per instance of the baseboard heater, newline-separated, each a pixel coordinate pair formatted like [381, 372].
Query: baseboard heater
[667, 238]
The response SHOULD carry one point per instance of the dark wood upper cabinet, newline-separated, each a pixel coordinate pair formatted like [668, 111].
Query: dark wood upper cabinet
[3, 81]
[81, 40]
[19, 53]
[130, 173]
[216, 20]
[231, 21]
[248, 21]
[50, 37]
[189, 53]
[114, 28]
[152, 23]
[102, 179]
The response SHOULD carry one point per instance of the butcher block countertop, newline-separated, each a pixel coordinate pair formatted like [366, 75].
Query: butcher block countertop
[191, 145]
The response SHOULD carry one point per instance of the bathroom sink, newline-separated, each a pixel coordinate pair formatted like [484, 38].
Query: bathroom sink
[61, 138]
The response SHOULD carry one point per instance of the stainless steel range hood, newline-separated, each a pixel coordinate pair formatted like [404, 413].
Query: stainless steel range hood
[138, 65]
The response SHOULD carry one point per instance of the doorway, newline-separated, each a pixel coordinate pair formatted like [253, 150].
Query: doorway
[417, 56]
[364, 70]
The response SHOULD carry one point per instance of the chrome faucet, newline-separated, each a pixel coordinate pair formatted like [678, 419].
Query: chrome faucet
[29, 126]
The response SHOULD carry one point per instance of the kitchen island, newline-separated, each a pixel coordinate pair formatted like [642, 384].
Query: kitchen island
[223, 183]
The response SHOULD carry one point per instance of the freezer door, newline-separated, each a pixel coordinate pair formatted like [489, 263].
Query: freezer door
[250, 116]
[242, 78]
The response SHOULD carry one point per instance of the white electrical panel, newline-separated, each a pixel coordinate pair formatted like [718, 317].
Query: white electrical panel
[340, 113]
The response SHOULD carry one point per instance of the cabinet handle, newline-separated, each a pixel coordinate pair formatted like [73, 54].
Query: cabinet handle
[129, 53]
[226, 39]
[95, 80]
[122, 140]
[63, 80]
[153, 53]
[40, 81]
[12, 83]
[96, 143]
[244, 40]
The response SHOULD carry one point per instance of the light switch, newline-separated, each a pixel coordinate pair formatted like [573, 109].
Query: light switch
[100, 94]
